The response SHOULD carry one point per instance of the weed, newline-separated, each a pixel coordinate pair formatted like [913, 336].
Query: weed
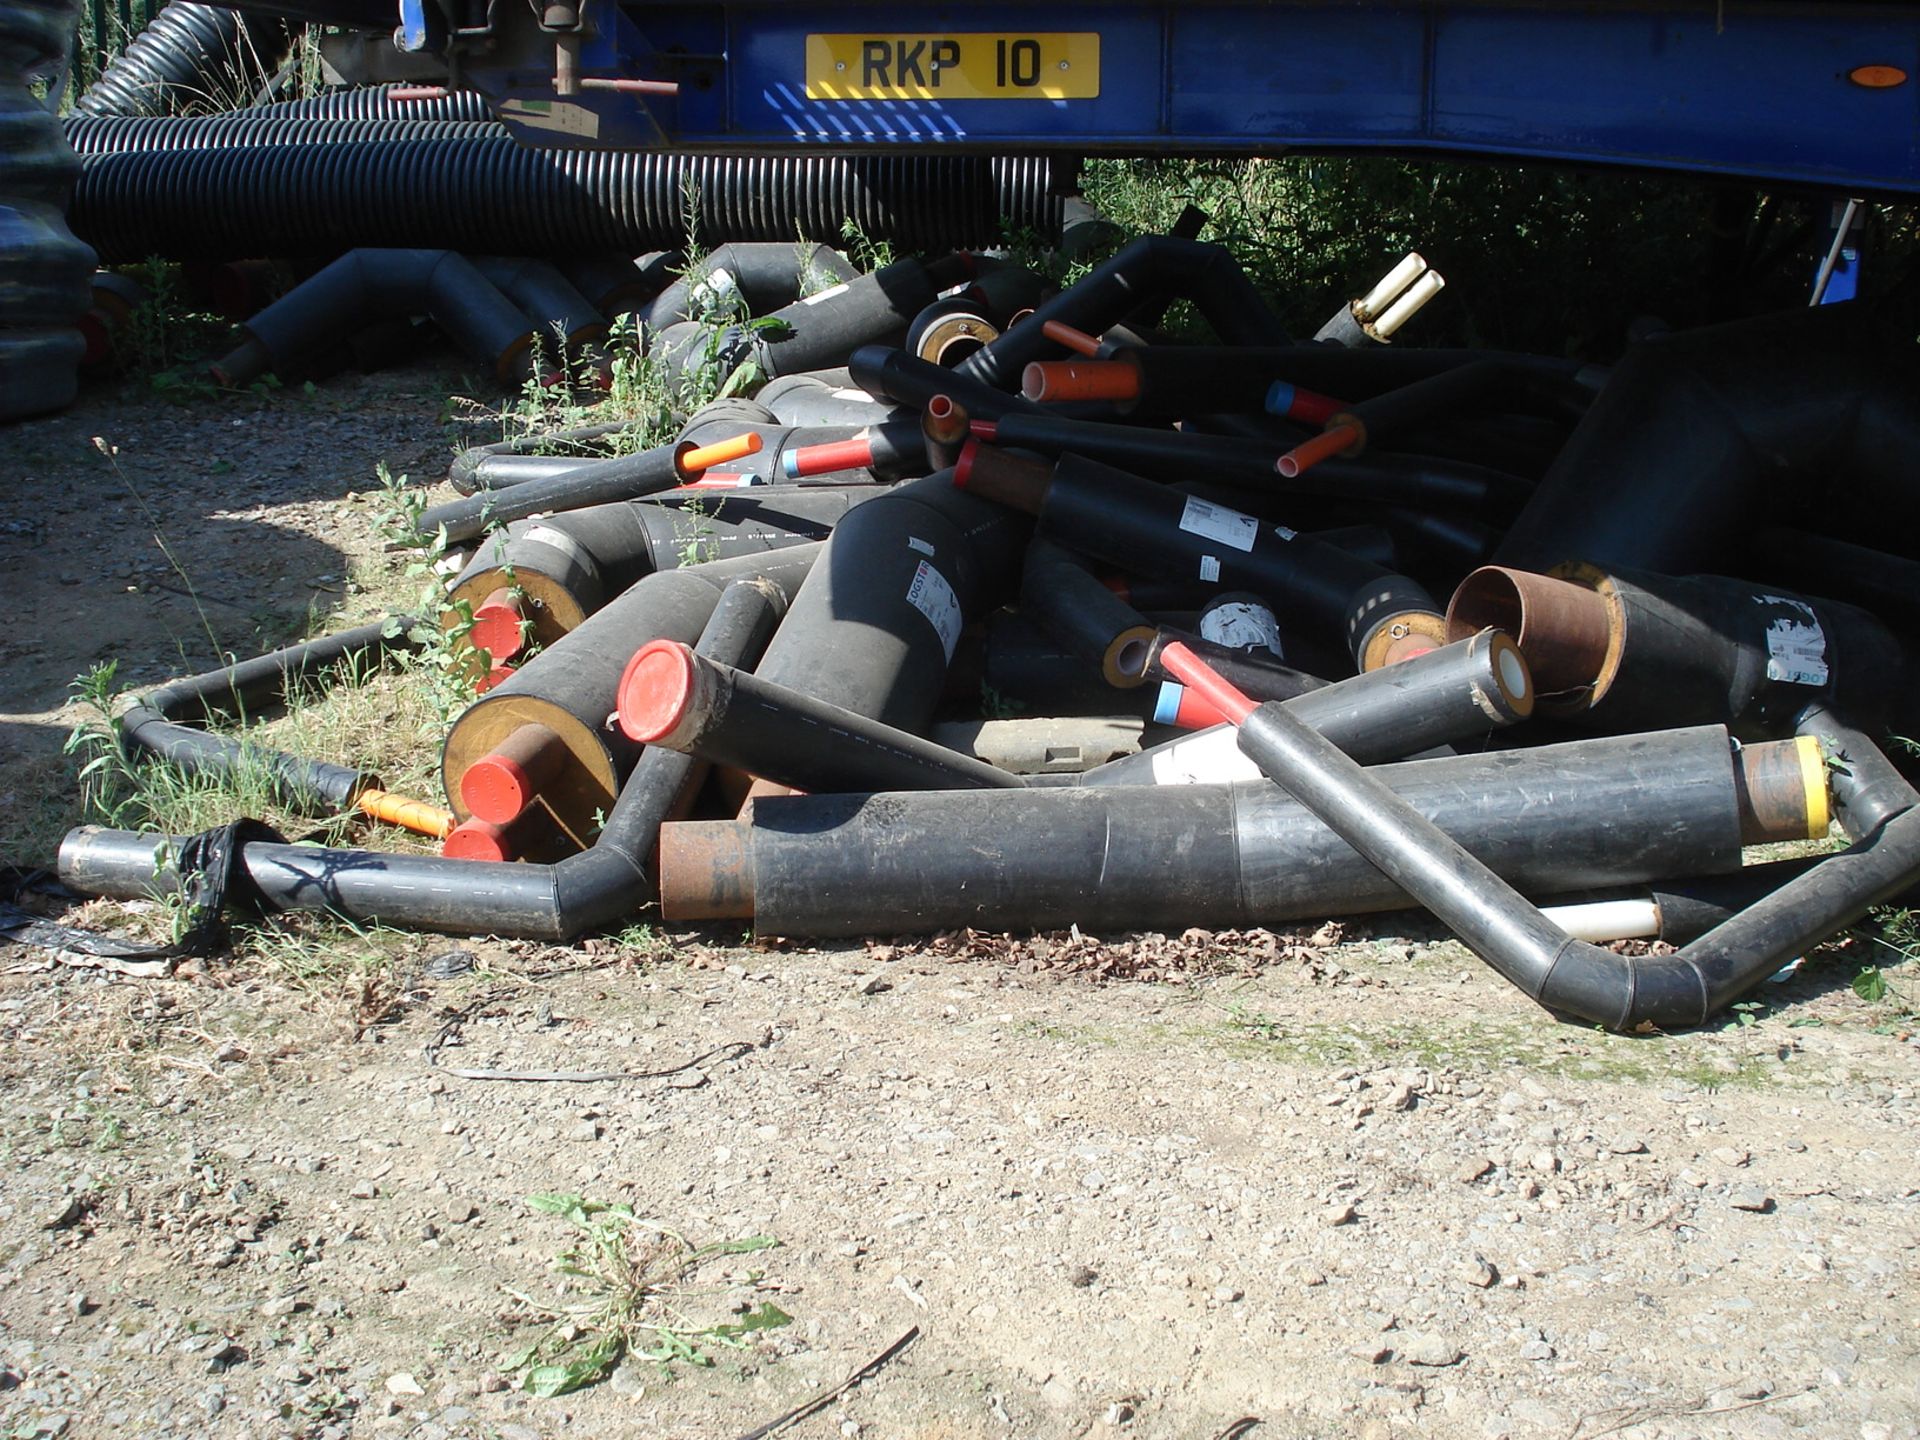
[866, 252]
[629, 1274]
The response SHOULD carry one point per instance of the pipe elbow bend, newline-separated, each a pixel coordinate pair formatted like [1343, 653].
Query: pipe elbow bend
[1624, 992]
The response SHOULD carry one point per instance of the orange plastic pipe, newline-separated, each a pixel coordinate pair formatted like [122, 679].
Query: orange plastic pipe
[721, 451]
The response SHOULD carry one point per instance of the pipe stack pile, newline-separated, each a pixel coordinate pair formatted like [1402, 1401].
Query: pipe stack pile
[995, 609]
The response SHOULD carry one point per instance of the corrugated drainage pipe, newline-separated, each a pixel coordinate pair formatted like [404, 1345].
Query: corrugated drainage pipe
[377, 102]
[244, 130]
[187, 55]
[493, 195]
[44, 271]
[1574, 977]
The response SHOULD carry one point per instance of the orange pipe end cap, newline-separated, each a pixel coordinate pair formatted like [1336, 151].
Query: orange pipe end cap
[476, 840]
[655, 690]
[496, 625]
[496, 789]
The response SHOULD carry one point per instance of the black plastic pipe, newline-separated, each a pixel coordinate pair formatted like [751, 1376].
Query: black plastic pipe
[154, 723]
[536, 902]
[562, 317]
[875, 626]
[621, 477]
[494, 196]
[1113, 858]
[470, 471]
[1571, 976]
[1148, 268]
[670, 696]
[1143, 527]
[1453, 694]
[365, 286]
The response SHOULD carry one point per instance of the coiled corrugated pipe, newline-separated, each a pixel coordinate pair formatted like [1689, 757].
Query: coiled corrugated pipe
[494, 195]
[142, 134]
[188, 54]
[43, 270]
[376, 102]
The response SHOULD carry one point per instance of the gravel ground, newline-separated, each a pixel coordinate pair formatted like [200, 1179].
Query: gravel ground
[1340, 1184]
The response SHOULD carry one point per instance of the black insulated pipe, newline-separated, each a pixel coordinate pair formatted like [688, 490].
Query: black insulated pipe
[1149, 268]
[1139, 857]
[1145, 528]
[908, 380]
[365, 286]
[875, 626]
[1693, 429]
[673, 697]
[1058, 588]
[754, 278]
[562, 568]
[1243, 463]
[1571, 976]
[154, 723]
[1453, 694]
[555, 902]
[820, 330]
[1624, 651]
[570, 691]
[494, 196]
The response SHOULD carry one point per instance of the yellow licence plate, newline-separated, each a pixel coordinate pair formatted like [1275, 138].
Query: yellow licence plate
[1063, 66]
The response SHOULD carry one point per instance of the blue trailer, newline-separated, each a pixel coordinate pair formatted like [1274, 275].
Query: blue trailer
[1807, 94]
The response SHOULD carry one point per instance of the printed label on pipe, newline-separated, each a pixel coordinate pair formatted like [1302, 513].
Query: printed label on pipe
[1284, 533]
[1210, 569]
[1796, 649]
[1217, 522]
[1241, 626]
[933, 597]
[914, 542]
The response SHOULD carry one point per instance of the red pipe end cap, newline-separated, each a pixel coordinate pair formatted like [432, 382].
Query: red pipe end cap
[496, 629]
[656, 690]
[496, 789]
[476, 840]
[963, 465]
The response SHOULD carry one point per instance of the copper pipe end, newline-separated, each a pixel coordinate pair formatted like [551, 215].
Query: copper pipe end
[1562, 628]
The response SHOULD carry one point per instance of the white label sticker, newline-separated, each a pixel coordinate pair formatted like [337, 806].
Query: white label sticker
[1796, 649]
[559, 540]
[1284, 533]
[914, 542]
[933, 597]
[840, 289]
[1209, 569]
[1217, 522]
